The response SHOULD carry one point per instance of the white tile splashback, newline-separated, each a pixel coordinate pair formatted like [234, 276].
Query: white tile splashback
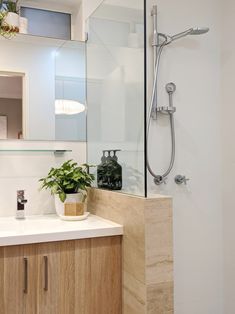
[22, 170]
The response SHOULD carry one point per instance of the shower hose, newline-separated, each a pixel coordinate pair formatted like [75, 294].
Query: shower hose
[159, 179]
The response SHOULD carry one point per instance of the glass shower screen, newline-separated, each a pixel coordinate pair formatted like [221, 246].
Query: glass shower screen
[116, 94]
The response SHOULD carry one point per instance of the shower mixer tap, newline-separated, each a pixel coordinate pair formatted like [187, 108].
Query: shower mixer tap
[179, 179]
[159, 180]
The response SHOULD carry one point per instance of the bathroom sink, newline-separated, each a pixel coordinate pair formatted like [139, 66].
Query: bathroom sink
[48, 228]
[10, 224]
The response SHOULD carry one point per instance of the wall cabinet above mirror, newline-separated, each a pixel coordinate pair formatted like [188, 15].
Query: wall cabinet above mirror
[43, 79]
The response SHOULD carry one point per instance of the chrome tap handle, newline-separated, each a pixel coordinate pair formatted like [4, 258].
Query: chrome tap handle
[160, 180]
[21, 201]
[179, 179]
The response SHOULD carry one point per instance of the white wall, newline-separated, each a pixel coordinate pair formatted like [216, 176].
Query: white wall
[86, 8]
[193, 64]
[228, 149]
[22, 170]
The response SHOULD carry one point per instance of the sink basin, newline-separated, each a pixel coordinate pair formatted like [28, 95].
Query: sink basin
[36, 229]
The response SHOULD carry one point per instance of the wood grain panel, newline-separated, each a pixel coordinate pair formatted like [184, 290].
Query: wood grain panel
[13, 280]
[106, 275]
[49, 300]
[2, 280]
[67, 277]
[30, 299]
[83, 277]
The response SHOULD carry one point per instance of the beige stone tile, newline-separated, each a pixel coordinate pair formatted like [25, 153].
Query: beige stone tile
[159, 241]
[160, 298]
[134, 295]
[147, 248]
[128, 211]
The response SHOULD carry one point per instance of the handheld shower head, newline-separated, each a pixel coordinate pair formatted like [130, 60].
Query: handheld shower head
[199, 31]
[191, 31]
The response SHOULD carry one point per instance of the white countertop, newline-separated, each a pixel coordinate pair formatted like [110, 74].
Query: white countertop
[49, 228]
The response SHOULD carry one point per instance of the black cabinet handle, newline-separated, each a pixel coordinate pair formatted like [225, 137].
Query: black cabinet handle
[25, 275]
[45, 258]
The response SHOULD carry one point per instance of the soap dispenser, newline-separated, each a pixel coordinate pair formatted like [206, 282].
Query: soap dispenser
[116, 183]
[101, 171]
[109, 172]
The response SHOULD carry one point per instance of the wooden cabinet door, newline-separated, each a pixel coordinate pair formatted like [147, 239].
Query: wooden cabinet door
[70, 277]
[67, 278]
[1, 279]
[12, 280]
[18, 285]
[106, 293]
[63, 277]
[83, 277]
[49, 278]
[30, 262]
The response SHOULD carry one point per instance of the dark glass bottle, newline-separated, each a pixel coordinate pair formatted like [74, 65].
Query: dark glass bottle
[101, 171]
[109, 172]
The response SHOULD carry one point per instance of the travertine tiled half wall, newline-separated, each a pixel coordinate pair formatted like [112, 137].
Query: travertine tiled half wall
[147, 248]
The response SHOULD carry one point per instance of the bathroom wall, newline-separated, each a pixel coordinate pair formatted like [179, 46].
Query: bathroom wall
[193, 64]
[22, 170]
[86, 8]
[228, 149]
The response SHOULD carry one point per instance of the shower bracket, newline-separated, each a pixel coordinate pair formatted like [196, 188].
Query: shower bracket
[166, 109]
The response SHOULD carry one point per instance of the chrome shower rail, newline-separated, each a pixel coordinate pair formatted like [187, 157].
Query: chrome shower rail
[159, 42]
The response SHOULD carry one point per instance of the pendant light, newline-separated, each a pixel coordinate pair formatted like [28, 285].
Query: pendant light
[68, 106]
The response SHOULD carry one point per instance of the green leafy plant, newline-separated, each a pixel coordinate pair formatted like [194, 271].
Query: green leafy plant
[70, 178]
[10, 6]
[2, 16]
[7, 6]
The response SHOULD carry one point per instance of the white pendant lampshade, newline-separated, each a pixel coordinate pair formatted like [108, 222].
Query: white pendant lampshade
[68, 107]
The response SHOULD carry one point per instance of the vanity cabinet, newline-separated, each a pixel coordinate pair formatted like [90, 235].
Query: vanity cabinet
[68, 277]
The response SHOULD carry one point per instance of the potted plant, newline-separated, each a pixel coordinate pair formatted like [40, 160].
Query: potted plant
[12, 19]
[69, 184]
[2, 16]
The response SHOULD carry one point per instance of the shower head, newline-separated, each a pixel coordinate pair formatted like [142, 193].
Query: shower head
[191, 31]
[199, 30]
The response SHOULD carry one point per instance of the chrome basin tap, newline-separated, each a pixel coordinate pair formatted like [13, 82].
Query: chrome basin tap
[21, 201]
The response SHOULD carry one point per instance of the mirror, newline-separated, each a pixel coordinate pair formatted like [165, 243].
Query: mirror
[11, 106]
[70, 93]
[40, 76]
[42, 79]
